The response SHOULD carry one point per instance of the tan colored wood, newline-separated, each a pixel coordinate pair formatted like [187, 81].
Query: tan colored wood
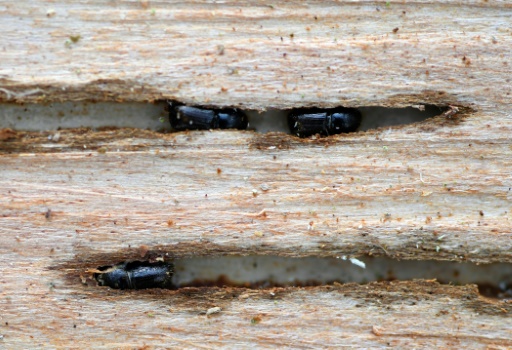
[384, 193]
[132, 194]
[258, 54]
[404, 315]
[437, 190]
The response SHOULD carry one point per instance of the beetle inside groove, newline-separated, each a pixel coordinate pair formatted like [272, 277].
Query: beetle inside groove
[306, 122]
[197, 118]
[302, 122]
[154, 116]
[136, 275]
[267, 271]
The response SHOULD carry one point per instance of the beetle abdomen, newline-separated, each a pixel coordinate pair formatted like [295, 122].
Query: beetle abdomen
[136, 275]
[310, 121]
[191, 118]
[195, 118]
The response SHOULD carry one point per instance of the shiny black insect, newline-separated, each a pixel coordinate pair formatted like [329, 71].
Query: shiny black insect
[136, 275]
[195, 118]
[310, 121]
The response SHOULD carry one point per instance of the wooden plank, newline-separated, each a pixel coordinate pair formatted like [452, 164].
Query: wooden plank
[132, 194]
[436, 190]
[380, 194]
[260, 55]
[379, 315]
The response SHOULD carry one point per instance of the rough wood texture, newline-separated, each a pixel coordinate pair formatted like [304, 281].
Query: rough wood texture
[128, 194]
[194, 192]
[376, 316]
[437, 190]
[260, 55]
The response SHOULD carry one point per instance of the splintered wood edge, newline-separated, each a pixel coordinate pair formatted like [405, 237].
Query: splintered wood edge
[260, 55]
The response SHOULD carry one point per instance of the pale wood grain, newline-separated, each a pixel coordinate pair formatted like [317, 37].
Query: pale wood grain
[341, 52]
[382, 193]
[379, 315]
[132, 194]
[416, 192]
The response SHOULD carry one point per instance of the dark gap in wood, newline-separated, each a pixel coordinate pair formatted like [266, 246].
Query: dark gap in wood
[372, 117]
[260, 272]
[155, 116]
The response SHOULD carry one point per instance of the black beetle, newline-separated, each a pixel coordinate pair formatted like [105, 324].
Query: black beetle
[136, 275]
[196, 118]
[310, 121]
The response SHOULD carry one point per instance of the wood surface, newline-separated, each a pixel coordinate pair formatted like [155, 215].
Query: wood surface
[260, 54]
[434, 190]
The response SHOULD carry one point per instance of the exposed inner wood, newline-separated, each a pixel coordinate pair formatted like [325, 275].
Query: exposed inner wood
[407, 193]
[436, 190]
[259, 55]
